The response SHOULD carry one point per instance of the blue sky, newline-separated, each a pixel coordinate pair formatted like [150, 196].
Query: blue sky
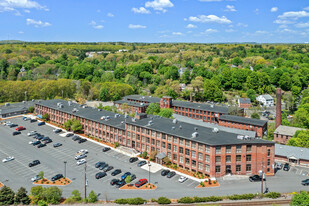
[205, 21]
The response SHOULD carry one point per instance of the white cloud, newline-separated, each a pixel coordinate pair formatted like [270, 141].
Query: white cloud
[302, 25]
[19, 4]
[256, 11]
[136, 26]
[208, 31]
[95, 25]
[307, 8]
[294, 15]
[242, 25]
[230, 8]
[110, 15]
[20, 32]
[177, 33]
[191, 26]
[159, 5]
[280, 21]
[37, 23]
[274, 9]
[141, 10]
[261, 32]
[27, 11]
[230, 30]
[283, 26]
[210, 19]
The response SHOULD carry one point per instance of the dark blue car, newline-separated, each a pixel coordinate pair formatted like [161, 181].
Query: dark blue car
[41, 123]
[124, 176]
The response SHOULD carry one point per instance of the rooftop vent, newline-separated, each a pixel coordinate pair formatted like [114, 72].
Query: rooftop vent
[175, 121]
[33, 100]
[142, 104]
[74, 110]
[24, 102]
[99, 110]
[117, 115]
[133, 120]
[107, 118]
[150, 122]
[70, 102]
[194, 134]
[215, 130]
[143, 97]
[195, 128]
[173, 128]
[212, 106]
[103, 118]
[7, 104]
[122, 122]
[126, 116]
[85, 106]
[180, 127]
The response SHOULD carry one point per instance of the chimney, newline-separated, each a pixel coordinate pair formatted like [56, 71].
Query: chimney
[278, 108]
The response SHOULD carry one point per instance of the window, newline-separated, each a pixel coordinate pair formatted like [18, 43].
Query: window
[174, 148]
[228, 159]
[218, 159]
[248, 168]
[187, 143]
[152, 141]
[228, 149]
[187, 152]
[180, 159]
[200, 147]
[193, 145]
[175, 140]
[207, 168]
[238, 168]
[268, 162]
[193, 153]
[207, 158]
[218, 150]
[193, 163]
[163, 144]
[218, 169]
[158, 135]
[248, 158]
[169, 138]
[200, 166]
[169, 146]
[158, 143]
[200, 156]
[238, 148]
[238, 158]
[181, 150]
[181, 141]
[147, 140]
[248, 148]
[207, 148]
[268, 152]
[175, 157]
[187, 161]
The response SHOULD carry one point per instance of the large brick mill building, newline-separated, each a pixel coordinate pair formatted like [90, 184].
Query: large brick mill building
[210, 151]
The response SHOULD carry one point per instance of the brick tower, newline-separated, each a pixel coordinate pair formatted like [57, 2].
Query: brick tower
[278, 108]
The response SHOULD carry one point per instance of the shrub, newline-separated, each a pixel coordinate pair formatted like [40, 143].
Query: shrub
[116, 144]
[136, 201]
[214, 199]
[92, 197]
[202, 184]
[121, 201]
[164, 200]
[186, 200]
[273, 195]
[241, 197]
[144, 155]
[153, 200]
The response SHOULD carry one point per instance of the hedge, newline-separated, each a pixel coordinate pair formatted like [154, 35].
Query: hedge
[131, 201]
[164, 200]
[242, 197]
[273, 195]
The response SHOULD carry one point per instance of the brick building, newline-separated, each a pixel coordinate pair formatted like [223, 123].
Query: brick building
[282, 134]
[298, 156]
[197, 148]
[19, 108]
[244, 103]
[130, 107]
[259, 126]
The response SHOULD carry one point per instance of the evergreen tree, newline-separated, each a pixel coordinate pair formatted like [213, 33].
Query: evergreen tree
[6, 196]
[21, 197]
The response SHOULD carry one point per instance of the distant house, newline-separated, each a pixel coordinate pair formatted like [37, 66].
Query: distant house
[244, 103]
[283, 133]
[182, 70]
[182, 87]
[266, 100]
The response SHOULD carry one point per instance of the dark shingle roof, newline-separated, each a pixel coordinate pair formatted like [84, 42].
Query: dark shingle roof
[199, 106]
[205, 135]
[232, 118]
[244, 101]
[130, 103]
[149, 99]
[16, 107]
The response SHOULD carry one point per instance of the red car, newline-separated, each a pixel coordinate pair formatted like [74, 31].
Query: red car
[141, 182]
[20, 128]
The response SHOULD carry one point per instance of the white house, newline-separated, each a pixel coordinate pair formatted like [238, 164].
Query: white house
[266, 100]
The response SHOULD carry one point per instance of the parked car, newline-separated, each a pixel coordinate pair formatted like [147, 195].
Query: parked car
[75, 138]
[57, 144]
[34, 163]
[44, 138]
[256, 178]
[16, 133]
[82, 151]
[35, 178]
[56, 177]
[82, 161]
[102, 167]
[36, 143]
[141, 182]
[116, 172]
[114, 181]
[13, 125]
[286, 167]
[82, 140]
[41, 123]
[124, 176]
[120, 183]
[171, 174]
[99, 164]
[279, 165]
[141, 163]
[69, 134]
[33, 120]
[32, 133]
[57, 130]
[8, 123]
[164, 172]
[41, 145]
[81, 156]
[99, 175]
[40, 137]
[305, 182]
[182, 179]
[48, 141]
[105, 149]
[31, 142]
[133, 159]
[8, 159]
[26, 118]
[108, 168]
[20, 128]
[133, 177]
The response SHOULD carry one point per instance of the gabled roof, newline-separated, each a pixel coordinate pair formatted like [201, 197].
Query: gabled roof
[200, 106]
[244, 100]
[238, 119]
[267, 97]
[286, 130]
[290, 151]
[16, 107]
[148, 99]
[130, 103]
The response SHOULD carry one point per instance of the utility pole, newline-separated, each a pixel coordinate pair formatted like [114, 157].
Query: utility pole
[149, 171]
[262, 176]
[65, 168]
[85, 181]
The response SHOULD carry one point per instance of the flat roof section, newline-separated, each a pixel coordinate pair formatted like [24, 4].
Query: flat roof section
[244, 120]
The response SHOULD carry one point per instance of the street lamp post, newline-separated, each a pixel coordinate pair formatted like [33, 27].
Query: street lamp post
[85, 181]
[65, 168]
[149, 171]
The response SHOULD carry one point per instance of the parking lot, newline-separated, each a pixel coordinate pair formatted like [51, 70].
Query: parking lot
[16, 173]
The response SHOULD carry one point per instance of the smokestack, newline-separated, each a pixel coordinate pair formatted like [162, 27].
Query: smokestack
[278, 108]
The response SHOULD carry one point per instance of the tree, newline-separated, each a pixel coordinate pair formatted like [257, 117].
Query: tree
[76, 125]
[212, 92]
[41, 175]
[300, 139]
[36, 193]
[67, 124]
[45, 117]
[237, 61]
[153, 154]
[145, 154]
[197, 83]
[300, 199]
[52, 195]
[22, 197]
[251, 94]
[6, 196]
[104, 94]
[92, 197]
[42, 203]
[76, 195]
[153, 108]
[167, 113]
[255, 115]
[31, 109]
[128, 179]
